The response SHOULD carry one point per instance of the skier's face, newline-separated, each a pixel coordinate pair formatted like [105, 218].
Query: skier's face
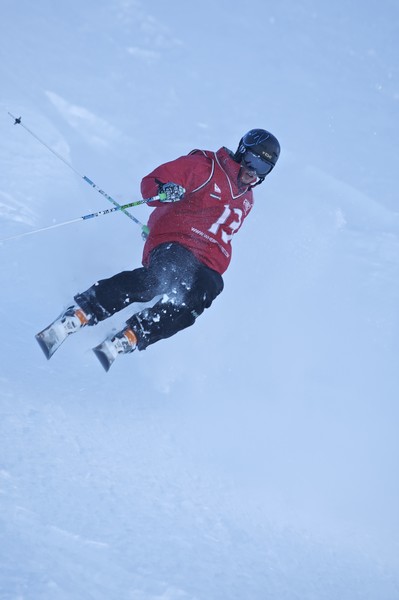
[246, 175]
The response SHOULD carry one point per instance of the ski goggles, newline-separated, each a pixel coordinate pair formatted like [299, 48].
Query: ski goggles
[253, 162]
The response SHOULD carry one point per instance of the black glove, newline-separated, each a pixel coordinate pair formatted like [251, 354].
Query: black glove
[170, 192]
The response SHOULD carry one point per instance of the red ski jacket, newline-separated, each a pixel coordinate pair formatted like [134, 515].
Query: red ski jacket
[211, 211]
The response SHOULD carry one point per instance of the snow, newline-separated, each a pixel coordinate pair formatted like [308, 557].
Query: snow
[254, 455]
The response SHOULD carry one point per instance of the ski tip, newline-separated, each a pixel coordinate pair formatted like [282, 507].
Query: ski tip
[46, 350]
[103, 358]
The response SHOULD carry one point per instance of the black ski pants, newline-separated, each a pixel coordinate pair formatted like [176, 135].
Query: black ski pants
[187, 287]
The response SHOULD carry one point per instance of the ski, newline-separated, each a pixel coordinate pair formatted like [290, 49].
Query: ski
[122, 342]
[73, 319]
[106, 354]
[51, 338]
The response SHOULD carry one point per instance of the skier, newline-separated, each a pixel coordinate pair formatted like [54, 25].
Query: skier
[206, 197]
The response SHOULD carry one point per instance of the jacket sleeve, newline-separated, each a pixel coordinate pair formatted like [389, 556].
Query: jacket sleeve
[189, 171]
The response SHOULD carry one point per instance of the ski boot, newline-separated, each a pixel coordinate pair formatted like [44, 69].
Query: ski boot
[123, 342]
[70, 321]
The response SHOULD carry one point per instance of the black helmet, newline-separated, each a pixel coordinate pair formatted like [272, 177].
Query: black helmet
[260, 142]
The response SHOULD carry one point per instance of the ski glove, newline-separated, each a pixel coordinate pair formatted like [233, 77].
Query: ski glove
[170, 192]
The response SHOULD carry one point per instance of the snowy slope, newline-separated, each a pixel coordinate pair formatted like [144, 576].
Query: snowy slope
[255, 454]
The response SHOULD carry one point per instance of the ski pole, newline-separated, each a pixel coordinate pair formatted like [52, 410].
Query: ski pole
[99, 213]
[18, 121]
